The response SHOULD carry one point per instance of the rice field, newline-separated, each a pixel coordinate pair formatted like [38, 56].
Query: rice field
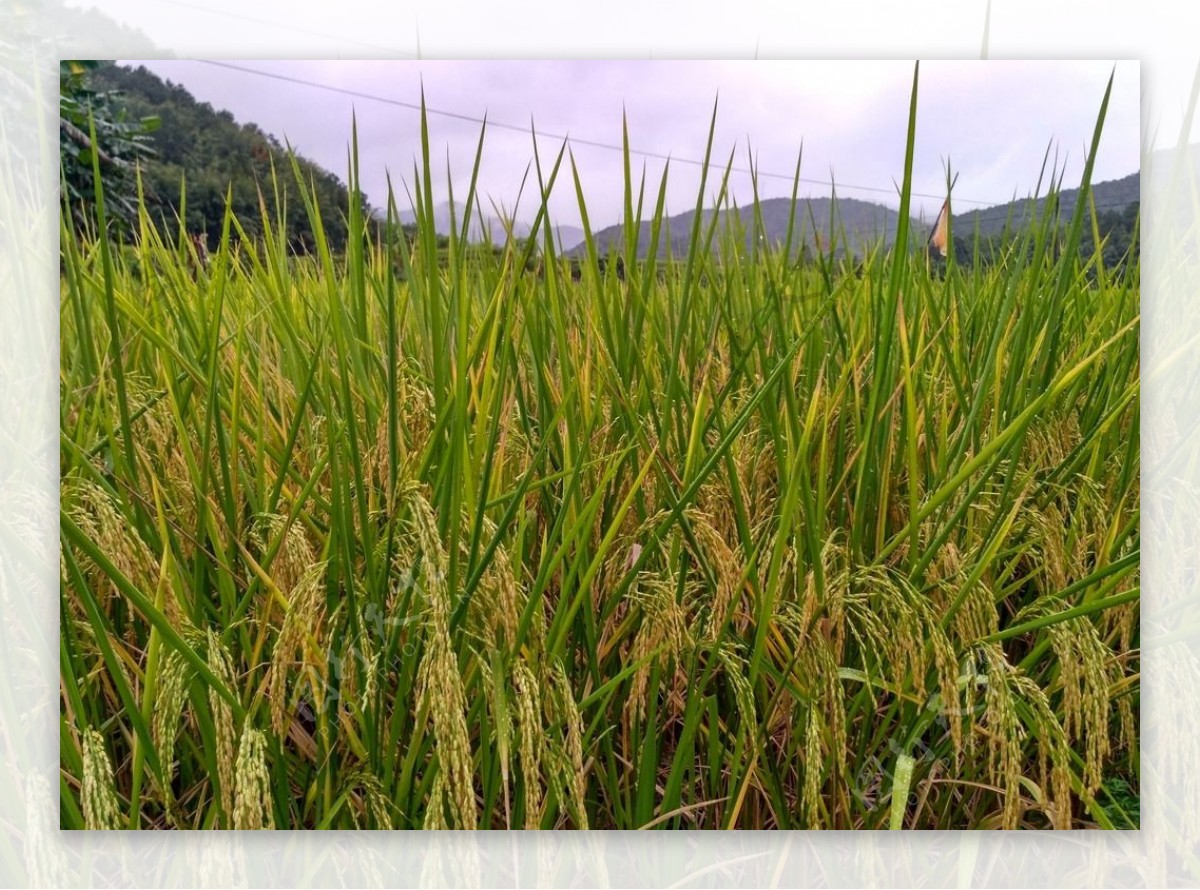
[405, 538]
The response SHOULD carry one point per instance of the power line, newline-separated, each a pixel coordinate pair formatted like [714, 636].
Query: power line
[592, 143]
[566, 137]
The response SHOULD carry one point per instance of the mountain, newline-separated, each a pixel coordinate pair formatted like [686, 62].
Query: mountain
[1113, 195]
[861, 223]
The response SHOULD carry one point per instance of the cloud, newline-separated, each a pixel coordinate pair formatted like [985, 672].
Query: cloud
[993, 120]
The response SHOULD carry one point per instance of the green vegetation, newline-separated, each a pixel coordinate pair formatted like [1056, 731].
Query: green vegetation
[96, 122]
[1115, 230]
[1115, 196]
[724, 541]
[1118, 236]
[215, 158]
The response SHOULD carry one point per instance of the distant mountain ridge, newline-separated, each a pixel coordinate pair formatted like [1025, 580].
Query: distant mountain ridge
[861, 224]
[1113, 194]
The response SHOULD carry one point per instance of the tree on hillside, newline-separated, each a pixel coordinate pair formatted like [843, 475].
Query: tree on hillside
[120, 143]
[206, 152]
[1118, 234]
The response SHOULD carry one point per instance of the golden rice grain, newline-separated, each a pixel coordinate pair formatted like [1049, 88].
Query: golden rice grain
[576, 779]
[175, 673]
[252, 807]
[439, 680]
[664, 627]
[302, 620]
[101, 809]
[222, 667]
[530, 731]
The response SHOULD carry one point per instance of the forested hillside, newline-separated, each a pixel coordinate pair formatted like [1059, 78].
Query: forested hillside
[1112, 196]
[211, 152]
[816, 222]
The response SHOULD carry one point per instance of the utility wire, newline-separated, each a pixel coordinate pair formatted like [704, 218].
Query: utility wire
[567, 137]
[592, 143]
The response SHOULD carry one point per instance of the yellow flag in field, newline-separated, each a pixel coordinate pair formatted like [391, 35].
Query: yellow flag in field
[941, 229]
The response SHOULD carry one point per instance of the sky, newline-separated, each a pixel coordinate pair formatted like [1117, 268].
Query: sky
[992, 121]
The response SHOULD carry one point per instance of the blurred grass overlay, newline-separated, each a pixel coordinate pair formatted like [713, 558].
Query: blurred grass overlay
[400, 540]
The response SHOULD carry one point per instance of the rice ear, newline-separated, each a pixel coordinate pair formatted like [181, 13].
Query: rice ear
[252, 808]
[576, 778]
[440, 683]
[101, 809]
[529, 728]
[302, 620]
[222, 714]
[173, 679]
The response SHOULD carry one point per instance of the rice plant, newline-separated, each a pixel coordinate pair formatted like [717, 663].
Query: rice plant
[403, 538]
